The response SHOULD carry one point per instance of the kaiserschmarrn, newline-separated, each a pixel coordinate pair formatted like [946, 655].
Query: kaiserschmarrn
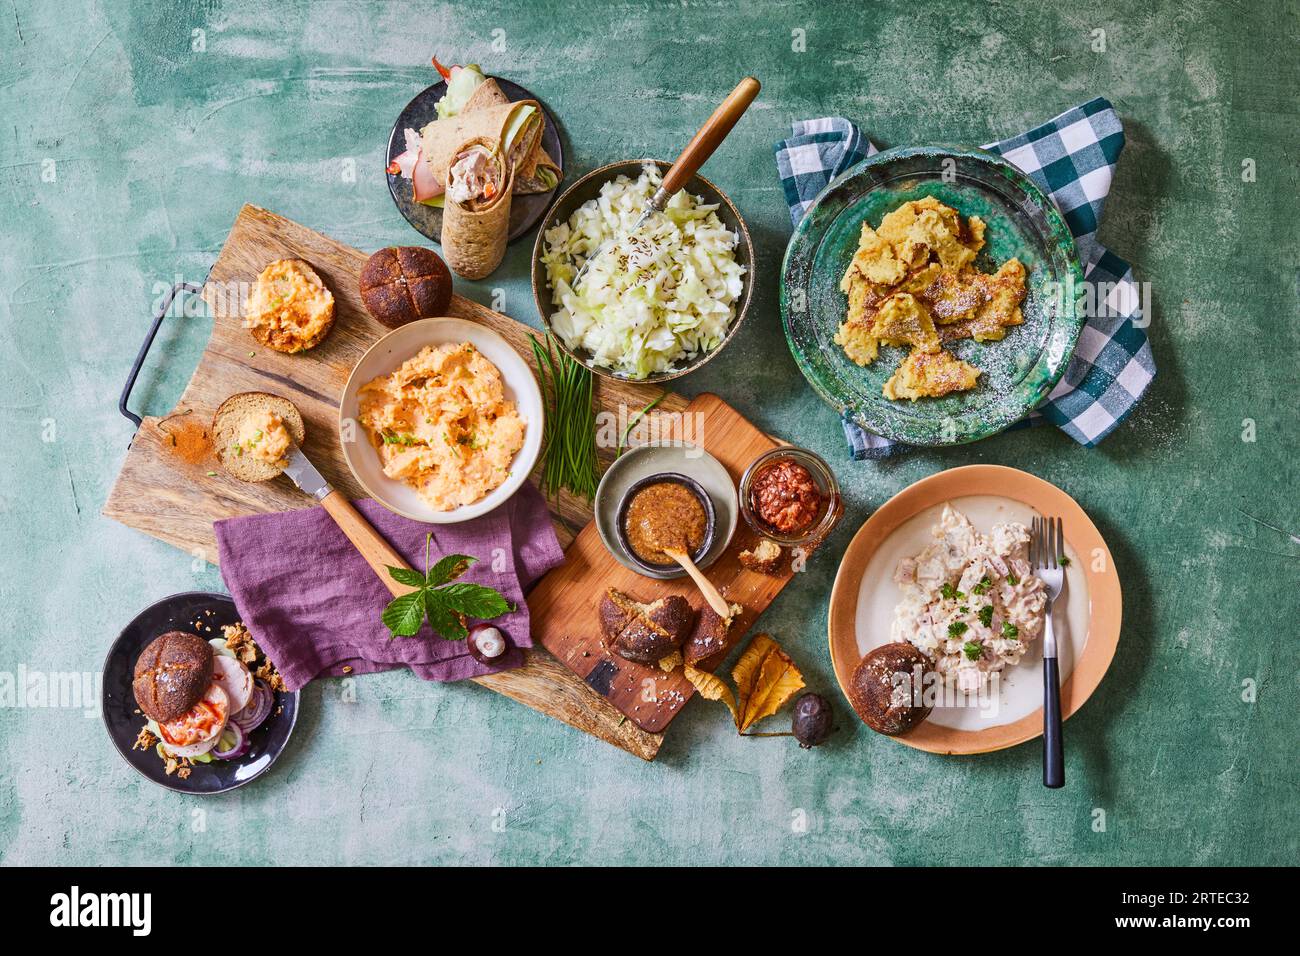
[913, 283]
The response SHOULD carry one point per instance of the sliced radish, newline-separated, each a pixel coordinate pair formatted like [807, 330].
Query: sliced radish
[193, 750]
[233, 677]
[203, 722]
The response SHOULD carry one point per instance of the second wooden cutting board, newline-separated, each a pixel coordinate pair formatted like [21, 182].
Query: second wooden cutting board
[564, 603]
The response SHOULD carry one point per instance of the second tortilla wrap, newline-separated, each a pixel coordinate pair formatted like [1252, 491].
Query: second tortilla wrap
[527, 171]
[489, 113]
[474, 232]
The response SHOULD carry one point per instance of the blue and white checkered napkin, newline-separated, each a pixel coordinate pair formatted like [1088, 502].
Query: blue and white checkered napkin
[1072, 159]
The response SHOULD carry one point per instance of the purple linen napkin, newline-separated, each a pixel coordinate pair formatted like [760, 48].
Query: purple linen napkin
[313, 604]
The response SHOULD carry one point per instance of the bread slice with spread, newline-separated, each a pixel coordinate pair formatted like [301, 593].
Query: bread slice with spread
[253, 434]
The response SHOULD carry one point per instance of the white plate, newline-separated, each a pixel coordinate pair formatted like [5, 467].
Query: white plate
[383, 358]
[1020, 690]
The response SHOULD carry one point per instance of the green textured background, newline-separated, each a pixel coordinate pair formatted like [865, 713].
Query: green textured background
[156, 145]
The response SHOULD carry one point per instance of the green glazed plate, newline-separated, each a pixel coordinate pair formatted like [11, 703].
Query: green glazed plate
[1017, 372]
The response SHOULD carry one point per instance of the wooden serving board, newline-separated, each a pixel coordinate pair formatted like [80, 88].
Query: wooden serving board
[160, 493]
[564, 604]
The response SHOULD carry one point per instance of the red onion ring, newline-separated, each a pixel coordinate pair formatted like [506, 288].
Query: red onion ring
[237, 749]
[257, 709]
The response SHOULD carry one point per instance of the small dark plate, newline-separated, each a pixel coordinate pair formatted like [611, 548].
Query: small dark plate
[525, 210]
[123, 719]
[710, 519]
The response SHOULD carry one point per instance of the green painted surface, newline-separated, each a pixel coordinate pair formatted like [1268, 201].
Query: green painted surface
[155, 146]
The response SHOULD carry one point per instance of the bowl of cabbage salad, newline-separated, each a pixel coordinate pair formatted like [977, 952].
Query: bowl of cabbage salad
[656, 304]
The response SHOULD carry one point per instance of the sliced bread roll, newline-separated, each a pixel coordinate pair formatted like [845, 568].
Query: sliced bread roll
[252, 432]
[171, 675]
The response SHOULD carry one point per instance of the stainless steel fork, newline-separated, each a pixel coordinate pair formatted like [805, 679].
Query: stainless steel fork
[1046, 548]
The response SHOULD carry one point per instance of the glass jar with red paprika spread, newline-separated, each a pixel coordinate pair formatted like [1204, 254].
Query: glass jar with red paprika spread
[789, 495]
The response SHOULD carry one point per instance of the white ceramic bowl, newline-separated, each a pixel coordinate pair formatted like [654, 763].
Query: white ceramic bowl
[383, 358]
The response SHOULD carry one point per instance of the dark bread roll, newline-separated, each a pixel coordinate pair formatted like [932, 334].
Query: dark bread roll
[171, 675]
[872, 688]
[644, 633]
[709, 637]
[400, 284]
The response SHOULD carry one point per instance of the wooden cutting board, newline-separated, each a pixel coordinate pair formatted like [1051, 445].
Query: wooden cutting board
[163, 495]
[563, 605]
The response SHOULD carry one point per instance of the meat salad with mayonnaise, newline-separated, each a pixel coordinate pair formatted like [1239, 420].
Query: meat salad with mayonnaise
[969, 600]
[474, 177]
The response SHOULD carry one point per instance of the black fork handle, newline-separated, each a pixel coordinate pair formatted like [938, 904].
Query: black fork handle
[1053, 752]
[159, 314]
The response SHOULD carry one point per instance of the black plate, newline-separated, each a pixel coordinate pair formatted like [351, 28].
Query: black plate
[525, 211]
[123, 719]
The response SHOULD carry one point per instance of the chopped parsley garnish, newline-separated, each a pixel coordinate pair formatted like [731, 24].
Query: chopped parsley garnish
[973, 650]
[1010, 631]
[1012, 580]
[964, 609]
[949, 592]
[983, 586]
[986, 615]
[1064, 561]
[958, 628]
[395, 439]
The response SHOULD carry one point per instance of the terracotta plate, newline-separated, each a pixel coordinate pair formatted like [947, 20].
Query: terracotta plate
[1091, 579]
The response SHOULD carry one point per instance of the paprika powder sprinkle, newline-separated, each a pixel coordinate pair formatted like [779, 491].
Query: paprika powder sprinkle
[186, 437]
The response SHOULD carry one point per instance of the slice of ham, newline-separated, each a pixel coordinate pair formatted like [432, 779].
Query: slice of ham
[425, 185]
[410, 165]
[234, 678]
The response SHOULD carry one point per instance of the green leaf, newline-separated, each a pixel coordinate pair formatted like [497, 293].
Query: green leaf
[404, 614]
[974, 650]
[448, 569]
[443, 619]
[410, 578]
[474, 600]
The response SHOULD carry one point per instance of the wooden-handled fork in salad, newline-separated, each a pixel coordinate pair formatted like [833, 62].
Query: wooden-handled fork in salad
[688, 163]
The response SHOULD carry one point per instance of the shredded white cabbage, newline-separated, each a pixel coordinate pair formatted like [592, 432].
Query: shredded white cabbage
[663, 296]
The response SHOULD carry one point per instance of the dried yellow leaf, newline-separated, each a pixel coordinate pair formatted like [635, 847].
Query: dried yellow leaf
[712, 687]
[766, 679]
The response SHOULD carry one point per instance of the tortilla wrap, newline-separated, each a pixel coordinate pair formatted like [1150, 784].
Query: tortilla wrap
[474, 233]
[488, 113]
[527, 178]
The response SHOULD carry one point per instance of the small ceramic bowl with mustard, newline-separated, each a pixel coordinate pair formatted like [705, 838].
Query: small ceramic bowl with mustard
[662, 511]
[673, 495]
[789, 495]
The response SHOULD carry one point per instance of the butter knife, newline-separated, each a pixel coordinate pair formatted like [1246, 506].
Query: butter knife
[378, 553]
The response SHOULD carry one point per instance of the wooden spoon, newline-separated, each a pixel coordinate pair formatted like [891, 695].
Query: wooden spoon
[716, 600]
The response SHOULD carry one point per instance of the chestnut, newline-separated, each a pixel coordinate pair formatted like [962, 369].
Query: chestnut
[486, 643]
